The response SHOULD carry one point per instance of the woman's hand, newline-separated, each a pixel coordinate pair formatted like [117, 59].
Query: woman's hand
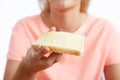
[36, 60]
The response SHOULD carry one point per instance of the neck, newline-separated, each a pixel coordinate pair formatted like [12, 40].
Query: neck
[66, 20]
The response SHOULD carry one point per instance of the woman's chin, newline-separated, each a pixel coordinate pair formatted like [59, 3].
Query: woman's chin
[62, 5]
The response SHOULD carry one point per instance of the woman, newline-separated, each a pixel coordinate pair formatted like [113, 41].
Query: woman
[102, 48]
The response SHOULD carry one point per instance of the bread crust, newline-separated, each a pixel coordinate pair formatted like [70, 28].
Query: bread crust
[59, 50]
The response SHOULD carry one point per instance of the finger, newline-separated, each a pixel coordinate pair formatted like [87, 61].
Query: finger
[53, 57]
[52, 29]
[48, 54]
[49, 61]
[40, 53]
[58, 58]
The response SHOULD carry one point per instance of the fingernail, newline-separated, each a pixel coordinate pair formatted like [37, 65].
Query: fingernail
[53, 28]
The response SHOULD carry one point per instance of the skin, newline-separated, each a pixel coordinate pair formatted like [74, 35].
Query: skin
[61, 16]
[112, 72]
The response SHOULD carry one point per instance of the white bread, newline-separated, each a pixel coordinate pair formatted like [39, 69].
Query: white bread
[61, 42]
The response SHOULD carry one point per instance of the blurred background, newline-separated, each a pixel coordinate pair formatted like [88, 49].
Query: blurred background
[13, 10]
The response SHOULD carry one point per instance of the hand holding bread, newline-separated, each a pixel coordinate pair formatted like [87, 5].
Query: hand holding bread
[35, 60]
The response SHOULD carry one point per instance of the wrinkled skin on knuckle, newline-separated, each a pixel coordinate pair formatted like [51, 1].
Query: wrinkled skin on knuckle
[42, 64]
[49, 63]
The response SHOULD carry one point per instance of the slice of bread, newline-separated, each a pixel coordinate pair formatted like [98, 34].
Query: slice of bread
[61, 42]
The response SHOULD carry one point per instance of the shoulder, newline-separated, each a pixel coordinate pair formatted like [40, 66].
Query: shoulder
[29, 19]
[100, 23]
[99, 20]
[28, 22]
[101, 28]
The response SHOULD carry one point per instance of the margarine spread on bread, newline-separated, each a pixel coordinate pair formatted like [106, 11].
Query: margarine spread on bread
[61, 42]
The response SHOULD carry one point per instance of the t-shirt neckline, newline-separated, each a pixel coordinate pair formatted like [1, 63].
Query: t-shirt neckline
[80, 30]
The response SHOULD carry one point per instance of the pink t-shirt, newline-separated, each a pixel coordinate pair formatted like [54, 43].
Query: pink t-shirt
[102, 48]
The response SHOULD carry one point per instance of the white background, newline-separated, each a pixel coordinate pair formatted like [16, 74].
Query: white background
[13, 10]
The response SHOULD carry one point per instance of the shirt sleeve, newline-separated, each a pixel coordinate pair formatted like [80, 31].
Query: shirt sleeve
[113, 49]
[18, 44]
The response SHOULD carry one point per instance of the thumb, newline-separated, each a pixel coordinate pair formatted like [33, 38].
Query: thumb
[52, 29]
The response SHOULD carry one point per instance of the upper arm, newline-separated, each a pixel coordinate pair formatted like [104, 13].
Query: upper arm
[11, 67]
[112, 72]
